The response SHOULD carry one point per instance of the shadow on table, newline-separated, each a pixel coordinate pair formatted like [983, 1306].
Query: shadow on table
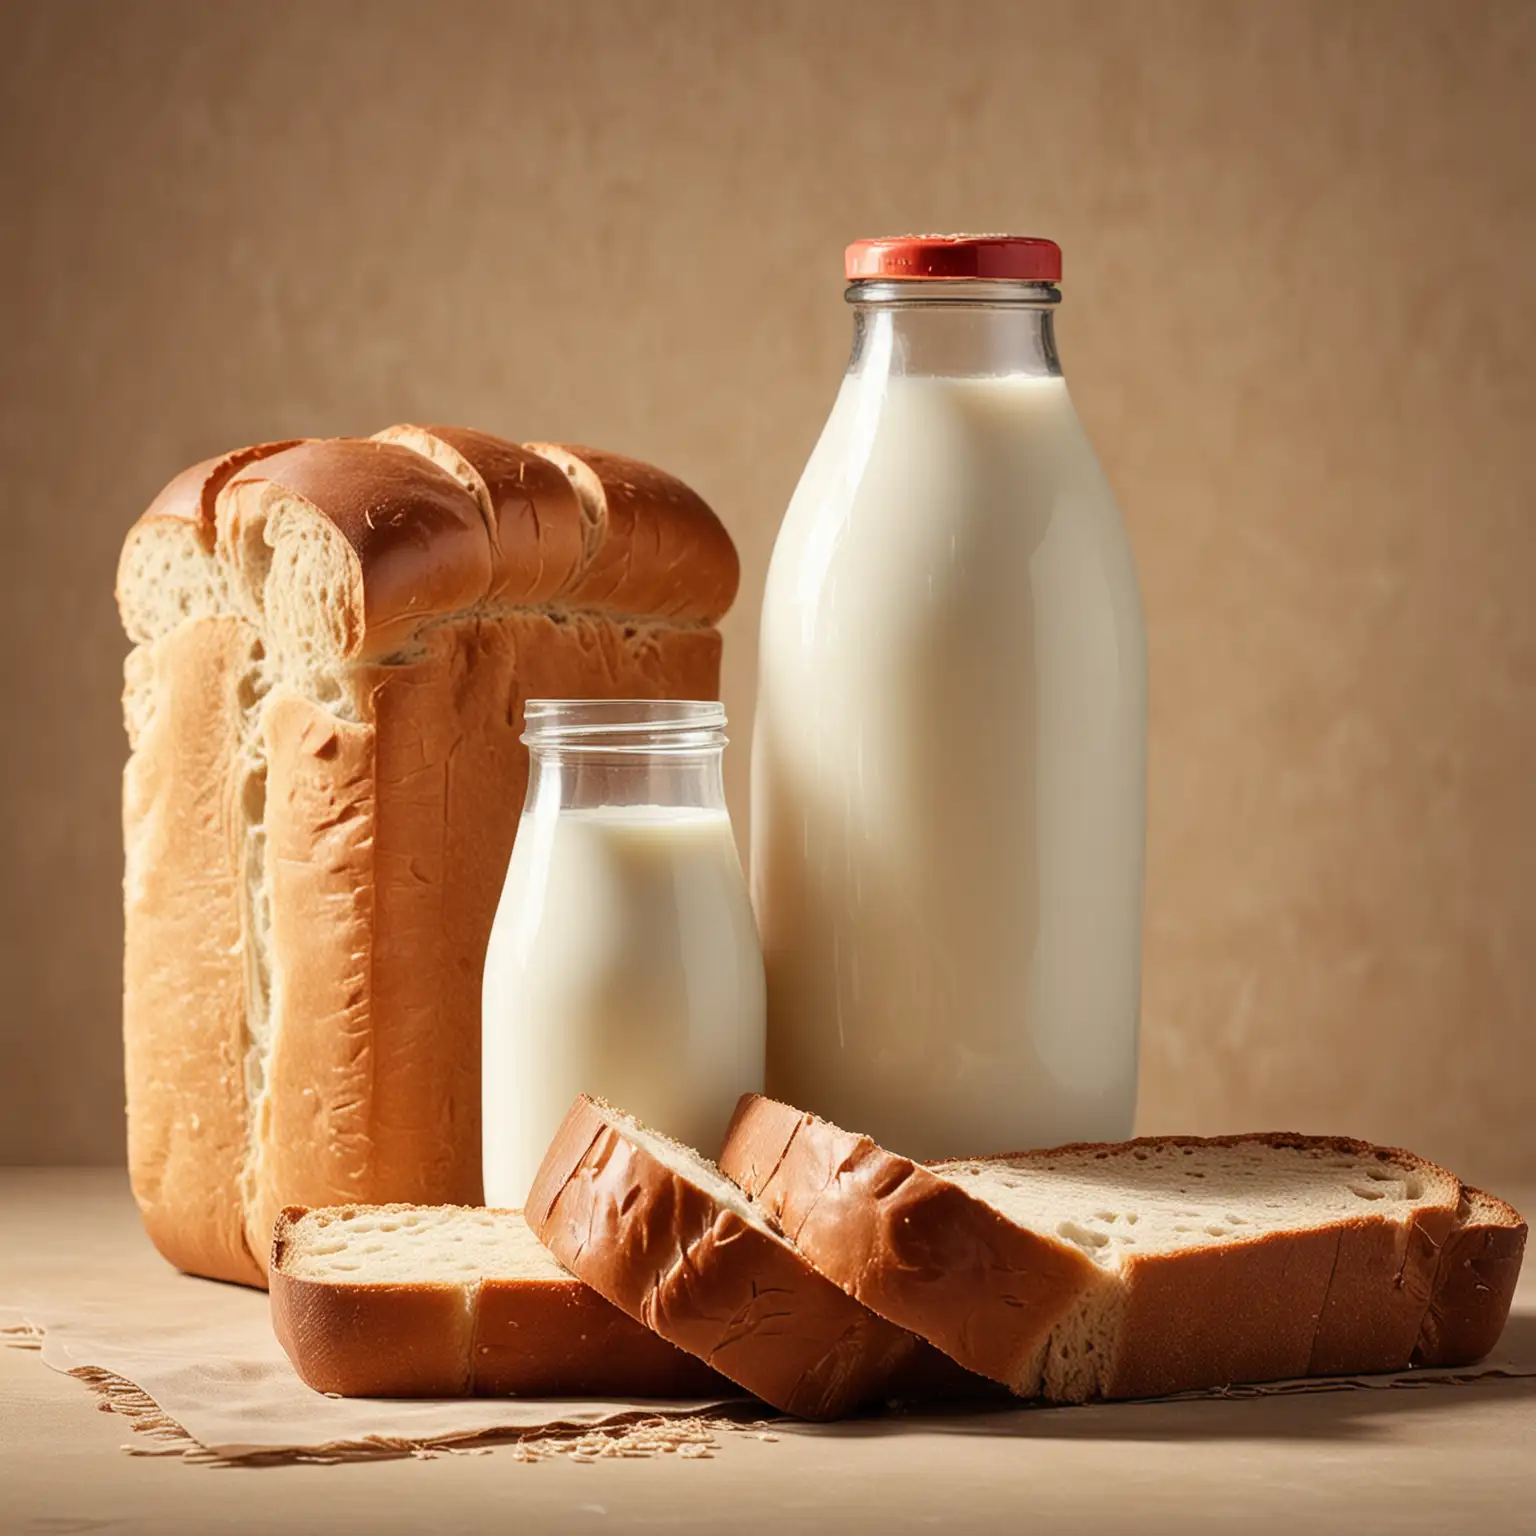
[1344, 1413]
[1517, 1346]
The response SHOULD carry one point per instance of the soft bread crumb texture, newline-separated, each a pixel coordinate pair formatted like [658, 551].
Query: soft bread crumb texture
[167, 576]
[695, 1167]
[1161, 1198]
[412, 1245]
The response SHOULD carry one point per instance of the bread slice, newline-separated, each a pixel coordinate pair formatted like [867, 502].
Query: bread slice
[334, 641]
[658, 1231]
[1130, 1270]
[168, 571]
[445, 1301]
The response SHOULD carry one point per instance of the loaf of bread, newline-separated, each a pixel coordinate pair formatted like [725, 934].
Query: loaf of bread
[333, 642]
[1145, 1267]
[444, 1301]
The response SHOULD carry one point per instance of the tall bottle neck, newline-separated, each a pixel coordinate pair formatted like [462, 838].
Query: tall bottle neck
[949, 329]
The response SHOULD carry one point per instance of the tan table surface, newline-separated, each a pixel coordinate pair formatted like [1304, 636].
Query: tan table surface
[1435, 1459]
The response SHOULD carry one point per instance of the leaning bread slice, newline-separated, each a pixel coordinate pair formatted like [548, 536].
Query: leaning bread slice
[912, 1245]
[447, 1300]
[1129, 1270]
[657, 1230]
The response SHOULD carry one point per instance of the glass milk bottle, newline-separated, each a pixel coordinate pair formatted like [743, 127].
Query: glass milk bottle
[623, 961]
[949, 767]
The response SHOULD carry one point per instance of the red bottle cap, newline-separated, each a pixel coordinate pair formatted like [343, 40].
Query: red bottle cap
[954, 256]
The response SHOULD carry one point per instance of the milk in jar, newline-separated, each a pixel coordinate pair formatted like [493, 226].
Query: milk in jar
[624, 960]
[949, 767]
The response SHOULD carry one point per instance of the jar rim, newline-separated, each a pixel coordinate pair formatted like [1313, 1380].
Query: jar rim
[624, 725]
[1002, 293]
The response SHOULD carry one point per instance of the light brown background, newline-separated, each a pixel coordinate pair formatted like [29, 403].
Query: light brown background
[1301, 287]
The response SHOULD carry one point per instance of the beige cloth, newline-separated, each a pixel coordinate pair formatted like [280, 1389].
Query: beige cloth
[196, 1361]
[222, 1390]
[192, 1360]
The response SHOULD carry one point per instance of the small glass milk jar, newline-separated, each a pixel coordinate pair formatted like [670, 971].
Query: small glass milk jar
[624, 960]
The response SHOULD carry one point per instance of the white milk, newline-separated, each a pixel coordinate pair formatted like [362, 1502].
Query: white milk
[623, 963]
[949, 774]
